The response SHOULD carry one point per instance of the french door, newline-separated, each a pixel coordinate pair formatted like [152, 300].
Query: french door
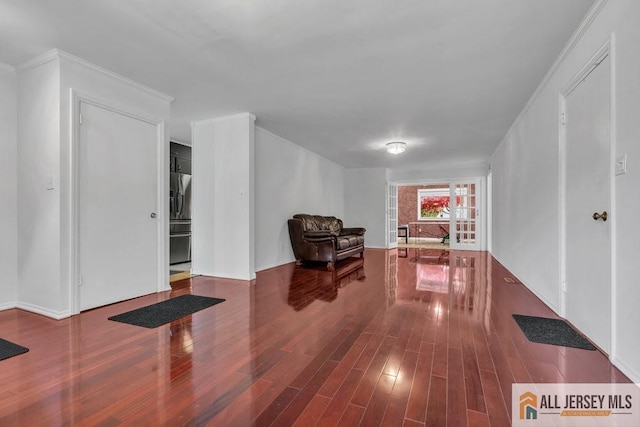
[392, 216]
[465, 227]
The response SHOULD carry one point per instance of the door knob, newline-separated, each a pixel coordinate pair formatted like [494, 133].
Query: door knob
[153, 215]
[602, 216]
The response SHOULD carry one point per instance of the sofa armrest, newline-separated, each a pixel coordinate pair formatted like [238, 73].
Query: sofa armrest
[353, 230]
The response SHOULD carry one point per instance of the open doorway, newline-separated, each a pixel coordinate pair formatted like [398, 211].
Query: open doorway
[423, 215]
[441, 215]
[180, 211]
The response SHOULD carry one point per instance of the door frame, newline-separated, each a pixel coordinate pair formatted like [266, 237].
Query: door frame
[162, 169]
[482, 194]
[607, 49]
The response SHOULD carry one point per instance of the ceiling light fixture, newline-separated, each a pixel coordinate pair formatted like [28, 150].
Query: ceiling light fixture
[396, 147]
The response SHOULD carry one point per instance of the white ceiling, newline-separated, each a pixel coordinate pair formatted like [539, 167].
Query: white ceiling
[340, 78]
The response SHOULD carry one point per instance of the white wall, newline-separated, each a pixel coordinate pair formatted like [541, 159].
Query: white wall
[525, 176]
[44, 111]
[366, 203]
[8, 187]
[290, 180]
[39, 208]
[223, 197]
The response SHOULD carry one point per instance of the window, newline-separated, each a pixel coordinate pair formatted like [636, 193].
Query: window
[433, 204]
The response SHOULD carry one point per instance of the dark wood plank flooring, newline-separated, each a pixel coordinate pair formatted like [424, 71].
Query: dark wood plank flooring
[424, 339]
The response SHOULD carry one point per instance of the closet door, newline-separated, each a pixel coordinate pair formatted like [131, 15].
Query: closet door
[117, 207]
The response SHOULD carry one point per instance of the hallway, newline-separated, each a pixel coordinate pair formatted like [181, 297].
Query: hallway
[422, 337]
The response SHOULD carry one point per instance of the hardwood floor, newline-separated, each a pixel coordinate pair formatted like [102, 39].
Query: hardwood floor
[421, 339]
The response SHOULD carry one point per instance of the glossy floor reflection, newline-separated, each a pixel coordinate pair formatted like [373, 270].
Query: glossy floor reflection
[406, 337]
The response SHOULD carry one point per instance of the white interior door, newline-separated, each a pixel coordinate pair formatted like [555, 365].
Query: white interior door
[588, 191]
[117, 205]
[465, 228]
[392, 212]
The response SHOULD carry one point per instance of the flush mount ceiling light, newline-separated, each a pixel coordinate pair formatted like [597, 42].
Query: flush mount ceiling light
[396, 147]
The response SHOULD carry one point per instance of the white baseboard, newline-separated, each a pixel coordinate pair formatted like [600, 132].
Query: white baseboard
[57, 315]
[628, 371]
[8, 305]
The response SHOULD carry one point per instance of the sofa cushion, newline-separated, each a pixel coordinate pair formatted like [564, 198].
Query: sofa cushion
[346, 242]
[320, 223]
[343, 243]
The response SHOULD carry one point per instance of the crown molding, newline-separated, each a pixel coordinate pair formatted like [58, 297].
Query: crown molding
[39, 60]
[224, 119]
[568, 48]
[54, 54]
[6, 67]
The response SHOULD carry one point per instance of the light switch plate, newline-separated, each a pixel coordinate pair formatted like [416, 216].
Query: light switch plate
[50, 182]
[621, 164]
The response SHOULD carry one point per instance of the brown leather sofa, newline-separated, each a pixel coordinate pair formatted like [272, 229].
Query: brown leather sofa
[324, 239]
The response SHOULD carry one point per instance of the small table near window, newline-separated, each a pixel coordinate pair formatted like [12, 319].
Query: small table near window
[404, 229]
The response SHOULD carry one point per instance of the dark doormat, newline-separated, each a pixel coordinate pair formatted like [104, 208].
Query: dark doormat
[167, 311]
[551, 331]
[9, 349]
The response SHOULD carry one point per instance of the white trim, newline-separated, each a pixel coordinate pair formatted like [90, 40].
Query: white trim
[39, 60]
[7, 67]
[224, 119]
[162, 171]
[584, 72]
[390, 231]
[613, 206]
[489, 212]
[57, 315]
[591, 15]
[162, 226]
[177, 141]
[62, 55]
[562, 206]
[8, 305]
[607, 49]
[626, 369]
[93, 67]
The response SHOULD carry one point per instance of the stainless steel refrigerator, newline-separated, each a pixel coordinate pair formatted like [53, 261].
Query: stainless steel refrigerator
[180, 211]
